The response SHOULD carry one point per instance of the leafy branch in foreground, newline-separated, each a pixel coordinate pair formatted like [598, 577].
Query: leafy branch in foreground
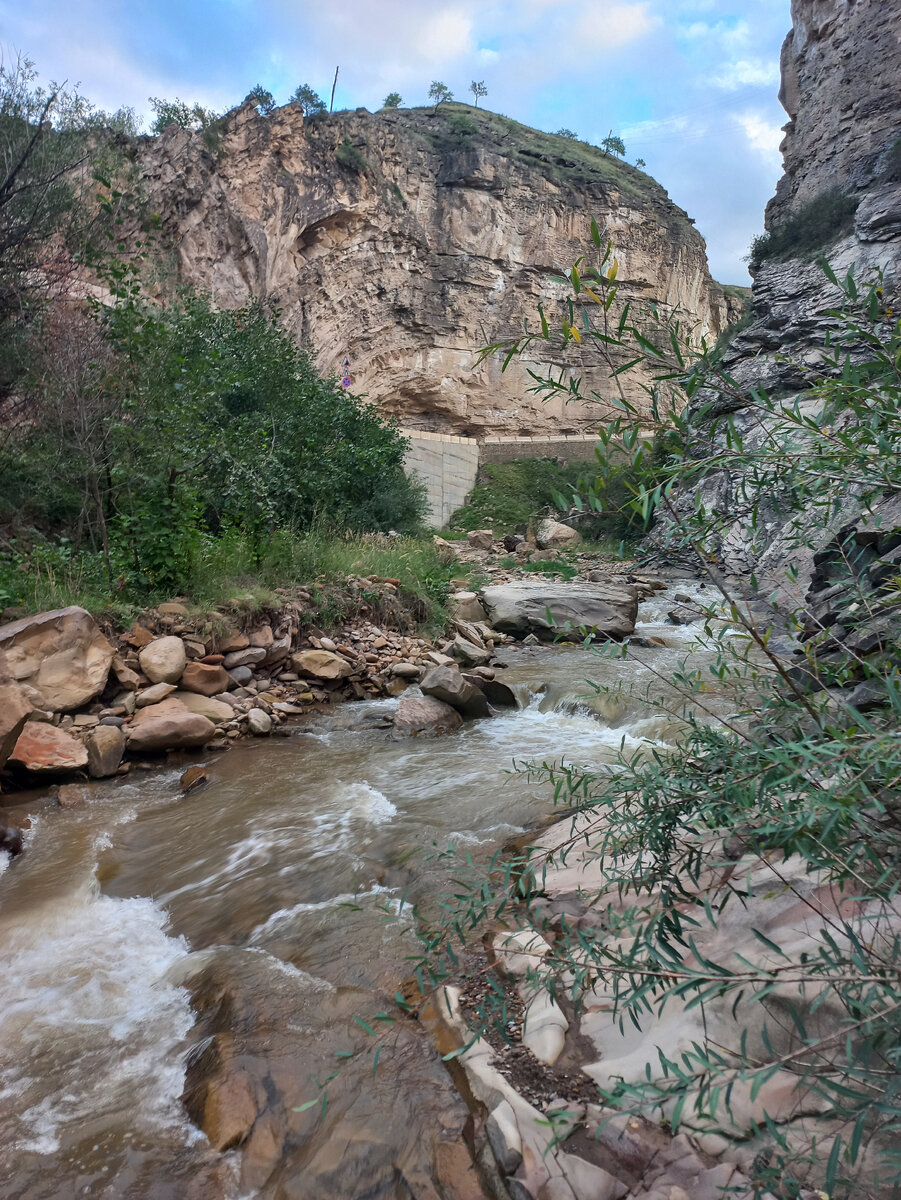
[795, 795]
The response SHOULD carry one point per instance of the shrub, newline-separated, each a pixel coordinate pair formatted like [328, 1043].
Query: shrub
[809, 229]
[349, 157]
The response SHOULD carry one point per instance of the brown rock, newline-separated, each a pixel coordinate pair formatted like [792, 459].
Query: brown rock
[205, 679]
[44, 748]
[244, 658]
[73, 795]
[447, 684]
[106, 745]
[424, 716]
[138, 636]
[61, 655]
[230, 642]
[321, 664]
[551, 535]
[214, 710]
[126, 676]
[262, 638]
[215, 659]
[480, 539]
[153, 694]
[192, 778]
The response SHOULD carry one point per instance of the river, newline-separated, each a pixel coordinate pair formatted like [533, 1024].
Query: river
[252, 920]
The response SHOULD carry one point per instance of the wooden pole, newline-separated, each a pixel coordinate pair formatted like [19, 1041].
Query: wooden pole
[331, 103]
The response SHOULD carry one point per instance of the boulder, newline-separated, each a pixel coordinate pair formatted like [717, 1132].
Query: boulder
[608, 610]
[680, 615]
[405, 670]
[45, 749]
[204, 678]
[169, 726]
[163, 660]
[105, 746]
[278, 651]
[496, 693]
[61, 656]
[244, 658]
[230, 642]
[258, 722]
[424, 716]
[262, 638]
[448, 685]
[207, 706]
[466, 606]
[321, 664]
[551, 535]
[480, 539]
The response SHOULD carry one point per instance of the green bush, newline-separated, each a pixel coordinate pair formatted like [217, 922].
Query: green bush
[514, 493]
[808, 230]
[349, 157]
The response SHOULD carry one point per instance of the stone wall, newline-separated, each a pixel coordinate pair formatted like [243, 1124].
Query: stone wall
[449, 465]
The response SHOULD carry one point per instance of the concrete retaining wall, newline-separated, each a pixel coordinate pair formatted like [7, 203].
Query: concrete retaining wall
[448, 465]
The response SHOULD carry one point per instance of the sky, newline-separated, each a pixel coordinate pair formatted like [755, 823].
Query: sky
[689, 85]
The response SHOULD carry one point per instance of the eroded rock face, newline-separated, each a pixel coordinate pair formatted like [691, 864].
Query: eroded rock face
[608, 610]
[408, 263]
[61, 658]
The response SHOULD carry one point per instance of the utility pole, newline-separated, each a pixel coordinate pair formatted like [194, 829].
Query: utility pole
[331, 103]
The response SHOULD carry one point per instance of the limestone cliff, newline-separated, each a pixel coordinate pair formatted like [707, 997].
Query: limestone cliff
[841, 68]
[404, 240]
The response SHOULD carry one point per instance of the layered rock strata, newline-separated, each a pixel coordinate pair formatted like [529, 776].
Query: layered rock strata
[403, 241]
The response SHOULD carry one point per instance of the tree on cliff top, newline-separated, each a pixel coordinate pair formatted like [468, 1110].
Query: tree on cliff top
[309, 100]
[176, 112]
[440, 93]
[393, 100]
[478, 89]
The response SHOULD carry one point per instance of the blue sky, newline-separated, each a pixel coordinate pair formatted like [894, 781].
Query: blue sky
[690, 85]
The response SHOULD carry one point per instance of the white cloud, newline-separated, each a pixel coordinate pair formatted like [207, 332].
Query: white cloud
[610, 26]
[445, 36]
[747, 73]
[764, 137]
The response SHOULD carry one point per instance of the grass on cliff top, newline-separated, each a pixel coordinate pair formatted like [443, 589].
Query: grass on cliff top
[457, 127]
[227, 574]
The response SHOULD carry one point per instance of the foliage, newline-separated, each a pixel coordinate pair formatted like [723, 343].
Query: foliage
[510, 495]
[614, 145]
[439, 93]
[479, 91]
[149, 428]
[640, 163]
[347, 155]
[393, 100]
[262, 98]
[310, 101]
[808, 229]
[185, 116]
[792, 784]
[567, 133]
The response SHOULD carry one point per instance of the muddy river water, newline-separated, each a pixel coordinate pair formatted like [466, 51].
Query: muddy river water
[252, 920]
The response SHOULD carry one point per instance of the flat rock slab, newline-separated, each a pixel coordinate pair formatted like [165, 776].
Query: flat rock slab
[61, 656]
[550, 610]
[44, 748]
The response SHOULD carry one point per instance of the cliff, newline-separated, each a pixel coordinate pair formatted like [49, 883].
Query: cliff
[406, 239]
[841, 75]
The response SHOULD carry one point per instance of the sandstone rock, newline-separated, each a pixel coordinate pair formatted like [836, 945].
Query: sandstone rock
[321, 664]
[405, 670]
[61, 655]
[105, 745]
[213, 709]
[125, 675]
[278, 650]
[480, 539]
[73, 795]
[424, 716]
[447, 684]
[192, 778]
[244, 658]
[169, 726]
[551, 535]
[204, 679]
[680, 615]
[153, 694]
[504, 1137]
[240, 675]
[469, 654]
[230, 642]
[607, 610]
[163, 660]
[138, 636]
[496, 693]
[262, 638]
[258, 722]
[194, 650]
[14, 712]
[466, 606]
[45, 749]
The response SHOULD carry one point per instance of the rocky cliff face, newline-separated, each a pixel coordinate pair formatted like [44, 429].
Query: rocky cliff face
[841, 67]
[405, 240]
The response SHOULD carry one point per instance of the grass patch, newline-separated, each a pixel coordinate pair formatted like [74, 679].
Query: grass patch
[232, 573]
[807, 231]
